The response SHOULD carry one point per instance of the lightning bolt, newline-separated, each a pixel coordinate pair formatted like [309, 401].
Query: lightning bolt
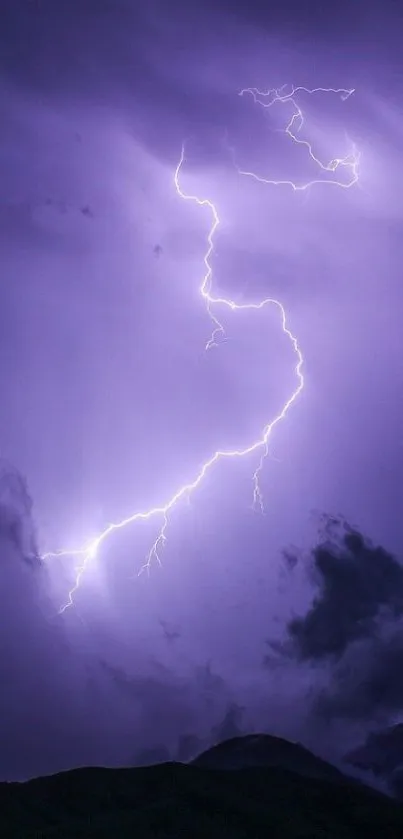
[293, 129]
[88, 552]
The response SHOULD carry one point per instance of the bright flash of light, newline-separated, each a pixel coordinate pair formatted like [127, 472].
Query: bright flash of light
[85, 554]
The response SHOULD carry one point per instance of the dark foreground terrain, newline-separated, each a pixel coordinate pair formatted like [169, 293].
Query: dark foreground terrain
[176, 800]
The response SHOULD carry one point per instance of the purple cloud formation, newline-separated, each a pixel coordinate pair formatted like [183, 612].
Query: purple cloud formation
[109, 400]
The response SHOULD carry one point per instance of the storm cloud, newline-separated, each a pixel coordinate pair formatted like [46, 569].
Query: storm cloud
[353, 626]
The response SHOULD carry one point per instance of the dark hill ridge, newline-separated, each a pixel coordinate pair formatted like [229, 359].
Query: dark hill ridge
[175, 800]
[263, 750]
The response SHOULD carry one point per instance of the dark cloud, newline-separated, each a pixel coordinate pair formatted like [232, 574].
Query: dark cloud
[36, 702]
[357, 581]
[353, 627]
[157, 250]
[311, 16]
[368, 682]
[171, 632]
[16, 521]
[382, 751]
[71, 38]
[231, 724]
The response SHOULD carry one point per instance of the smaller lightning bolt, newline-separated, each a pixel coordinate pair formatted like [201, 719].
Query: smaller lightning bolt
[89, 551]
[293, 128]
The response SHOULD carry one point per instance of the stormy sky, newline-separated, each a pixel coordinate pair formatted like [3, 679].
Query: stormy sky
[110, 403]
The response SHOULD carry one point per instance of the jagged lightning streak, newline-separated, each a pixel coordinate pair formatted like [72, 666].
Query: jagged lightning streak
[90, 549]
[293, 128]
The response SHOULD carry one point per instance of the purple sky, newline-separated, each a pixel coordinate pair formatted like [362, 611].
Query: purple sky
[109, 401]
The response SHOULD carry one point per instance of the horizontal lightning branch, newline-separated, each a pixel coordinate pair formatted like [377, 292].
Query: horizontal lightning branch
[293, 129]
[89, 550]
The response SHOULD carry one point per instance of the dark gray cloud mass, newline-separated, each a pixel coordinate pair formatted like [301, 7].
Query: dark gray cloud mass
[368, 684]
[357, 582]
[354, 624]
